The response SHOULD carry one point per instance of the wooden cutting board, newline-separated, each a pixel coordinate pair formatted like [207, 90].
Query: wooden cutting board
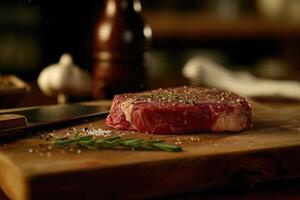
[33, 169]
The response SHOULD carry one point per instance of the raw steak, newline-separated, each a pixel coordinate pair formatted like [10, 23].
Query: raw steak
[180, 110]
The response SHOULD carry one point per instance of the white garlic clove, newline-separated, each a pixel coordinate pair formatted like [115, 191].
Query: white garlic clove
[64, 78]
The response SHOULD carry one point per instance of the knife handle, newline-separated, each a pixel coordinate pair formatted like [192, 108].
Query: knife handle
[12, 121]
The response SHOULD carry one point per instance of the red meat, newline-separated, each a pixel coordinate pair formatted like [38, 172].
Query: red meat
[180, 110]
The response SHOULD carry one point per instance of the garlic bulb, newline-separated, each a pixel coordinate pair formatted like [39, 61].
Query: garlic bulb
[64, 79]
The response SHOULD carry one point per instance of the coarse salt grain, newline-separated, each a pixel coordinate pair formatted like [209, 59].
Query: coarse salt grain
[98, 132]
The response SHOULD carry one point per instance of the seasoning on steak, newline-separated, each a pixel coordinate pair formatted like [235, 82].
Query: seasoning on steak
[180, 110]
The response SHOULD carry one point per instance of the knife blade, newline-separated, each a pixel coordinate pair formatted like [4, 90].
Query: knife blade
[54, 116]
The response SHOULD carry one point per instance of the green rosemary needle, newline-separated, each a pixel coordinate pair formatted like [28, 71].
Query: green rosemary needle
[93, 143]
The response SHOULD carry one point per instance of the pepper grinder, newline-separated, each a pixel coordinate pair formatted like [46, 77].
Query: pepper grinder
[121, 44]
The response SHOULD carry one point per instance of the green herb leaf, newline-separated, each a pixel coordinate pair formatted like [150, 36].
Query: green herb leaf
[94, 144]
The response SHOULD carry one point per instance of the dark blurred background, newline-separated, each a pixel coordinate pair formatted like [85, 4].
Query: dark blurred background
[261, 36]
[36, 33]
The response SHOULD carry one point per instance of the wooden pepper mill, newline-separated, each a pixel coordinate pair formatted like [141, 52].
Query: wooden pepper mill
[121, 43]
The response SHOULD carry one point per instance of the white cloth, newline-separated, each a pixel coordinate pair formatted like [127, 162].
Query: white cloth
[202, 71]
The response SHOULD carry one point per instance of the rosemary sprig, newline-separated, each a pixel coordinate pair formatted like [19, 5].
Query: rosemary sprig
[92, 143]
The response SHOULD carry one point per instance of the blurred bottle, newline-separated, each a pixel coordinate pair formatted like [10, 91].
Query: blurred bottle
[121, 42]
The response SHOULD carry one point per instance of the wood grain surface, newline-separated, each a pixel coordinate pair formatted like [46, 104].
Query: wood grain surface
[33, 169]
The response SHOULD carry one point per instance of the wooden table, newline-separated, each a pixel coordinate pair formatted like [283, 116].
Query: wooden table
[287, 189]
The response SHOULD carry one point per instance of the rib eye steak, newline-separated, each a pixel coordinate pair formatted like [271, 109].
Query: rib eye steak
[180, 110]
